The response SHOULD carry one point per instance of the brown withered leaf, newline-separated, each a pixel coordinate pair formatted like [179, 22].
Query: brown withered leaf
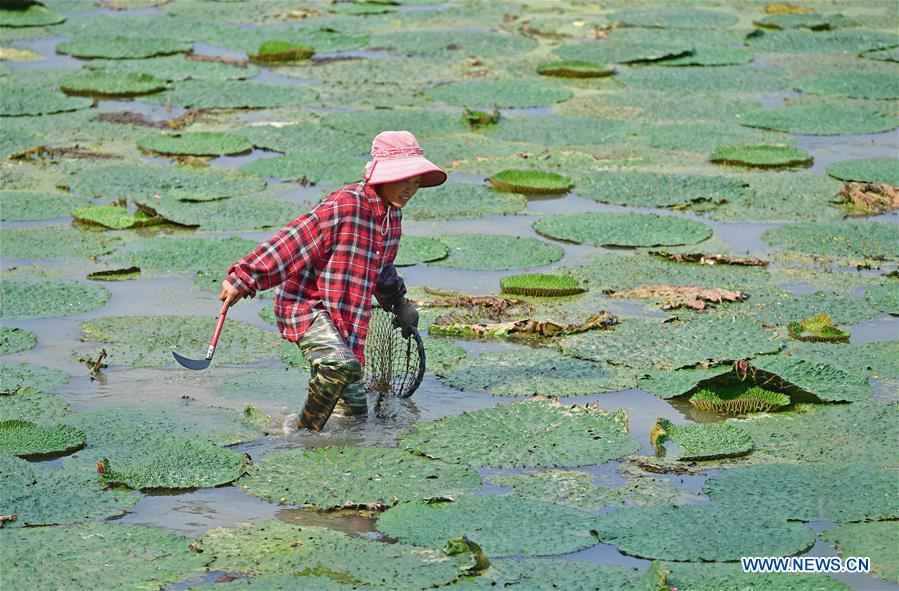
[864, 199]
[454, 325]
[708, 259]
[682, 296]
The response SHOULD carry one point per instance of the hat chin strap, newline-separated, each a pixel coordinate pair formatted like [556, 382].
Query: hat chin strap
[369, 170]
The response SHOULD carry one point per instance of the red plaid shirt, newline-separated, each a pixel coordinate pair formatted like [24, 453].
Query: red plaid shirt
[331, 257]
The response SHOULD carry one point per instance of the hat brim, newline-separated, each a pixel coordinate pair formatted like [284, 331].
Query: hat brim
[398, 169]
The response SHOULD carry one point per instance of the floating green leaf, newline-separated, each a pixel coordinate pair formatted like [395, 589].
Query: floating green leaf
[711, 56]
[229, 94]
[419, 249]
[41, 557]
[248, 39]
[201, 143]
[675, 18]
[335, 168]
[536, 372]
[849, 239]
[32, 405]
[818, 119]
[651, 189]
[737, 399]
[55, 243]
[762, 156]
[281, 52]
[710, 576]
[813, 21]
[575, 69]
[530, 181]
[873, 170]
[26, 439]
[121, 47]
[181, 254]
[422, 123]
[16, 101]
[540, 285]
[827, 383]
[706, 532]
[13, 340]
[628, 45]
[115, 274]
[461, 200]
[114, 217]
[874, 85]
[884, 297]
[885, 55]
[874, 540]
[670, 383]
[16, 375]
[453, 43]
[175, 68]
[335, 477]
[800, 41]
[622, 229]
[442, 355]
[525, 434]
[701, 441]
[32, 15]
[236, 213]
[722, 79]
[562, 132]
[537, 574]
[496, 252]
[500, 525]
[502, 93]
[112, 84]
[819, 328]
[19, 206]
[47, 299]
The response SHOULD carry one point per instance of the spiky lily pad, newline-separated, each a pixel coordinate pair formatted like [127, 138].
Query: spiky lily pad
[762, 156]
[34, 15]
[41, 496]
[849, 239]
[335, 477]
[46, 299]
[525, 434]
[818, 119]
[711, 56]
[419, 249]
[540, 573]
[201, 143]
[651, 189]
[862, 432]
[237, 213]
[55, 243]
[43, 557]
[801, 41]
[461, 200]
[812, 21]
[500, 525]
[274, 547]
[873, 85]
[670, 383]
[13, 340]
[819, 379]
[738, 399]
[32, 405]
[135, 340]
[701, 441]
[16, 101]
[121, 47]
[172, 463]
[622, 229]
[673, 345]
[335, 168]
[138, 182]
[533, 372]
[710, 576]
[807, 492]
[175, 68]
[26, 206]
[539, 284]
[575, 69]
[706, 532]
[530, 181]
[874, 540]
[675, 18]
[216, 94]
[182, 254]
[819, 328]
[26, 439]
[723, 79]
[15, 375]
[114, 217]
[496, 252]
[873, 170]
[99, 83]
[502, 93]
[884, 297]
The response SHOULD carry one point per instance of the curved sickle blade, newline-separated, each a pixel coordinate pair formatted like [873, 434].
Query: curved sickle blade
[191, 363]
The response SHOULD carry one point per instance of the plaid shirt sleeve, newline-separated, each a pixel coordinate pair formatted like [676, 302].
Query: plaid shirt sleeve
[301, 244]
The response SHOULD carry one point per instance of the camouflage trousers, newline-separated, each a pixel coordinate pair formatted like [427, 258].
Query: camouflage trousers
[336, 375]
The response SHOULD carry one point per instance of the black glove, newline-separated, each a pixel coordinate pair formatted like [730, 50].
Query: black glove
[406, 316]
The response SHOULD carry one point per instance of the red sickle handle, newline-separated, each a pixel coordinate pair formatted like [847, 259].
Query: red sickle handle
[218, 330]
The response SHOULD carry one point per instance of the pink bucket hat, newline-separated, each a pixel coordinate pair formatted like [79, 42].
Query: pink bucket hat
[396, 155]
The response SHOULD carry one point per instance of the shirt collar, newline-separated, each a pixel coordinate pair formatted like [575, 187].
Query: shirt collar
[374, 201]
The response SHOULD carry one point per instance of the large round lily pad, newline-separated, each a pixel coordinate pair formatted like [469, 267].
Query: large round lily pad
[113, 217]
[501, 526]
[808, 492]
[326, 167]
[494, 252]
[335, 477]
[41, 496]
[652, 189]
[274, 547]
[702, 532]
[561, 132]
[528, 372]
[711, 56]
[71, 557]
[200, 143]
[675, 18]
[137, 340]
[19, 100]
[874, 540]
[32, 405]
[13, 340]
[821, 380]
[762, 156]
[722, 79]
[236, 213]
[812, 21]
[628, 45]
[502, 93]
[454, 43]
[873, 170]
[874, 85]
[143, 182]
[701, 441]
[802, 41]
[461, 200]
[714, 576]
[227, 94]
[110, 84]
[525, 434]
[182, 254]
[672, 345]
[530, 182]
[46, 299]
[32, 15]
[15, 375]
[819, 119]
[539, 574]
[248, 39]
[849, 239]
[623, 229]
[419, 249]
[26, 206]
[55, 243]
[121, 47]
[26, 439]
[175, 68]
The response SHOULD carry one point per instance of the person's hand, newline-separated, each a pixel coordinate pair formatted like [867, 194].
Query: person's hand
[406, 316]
[229, 295]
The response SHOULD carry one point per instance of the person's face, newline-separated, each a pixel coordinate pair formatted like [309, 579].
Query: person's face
[399, 193]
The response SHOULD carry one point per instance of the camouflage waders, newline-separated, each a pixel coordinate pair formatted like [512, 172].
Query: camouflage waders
[336, 374]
